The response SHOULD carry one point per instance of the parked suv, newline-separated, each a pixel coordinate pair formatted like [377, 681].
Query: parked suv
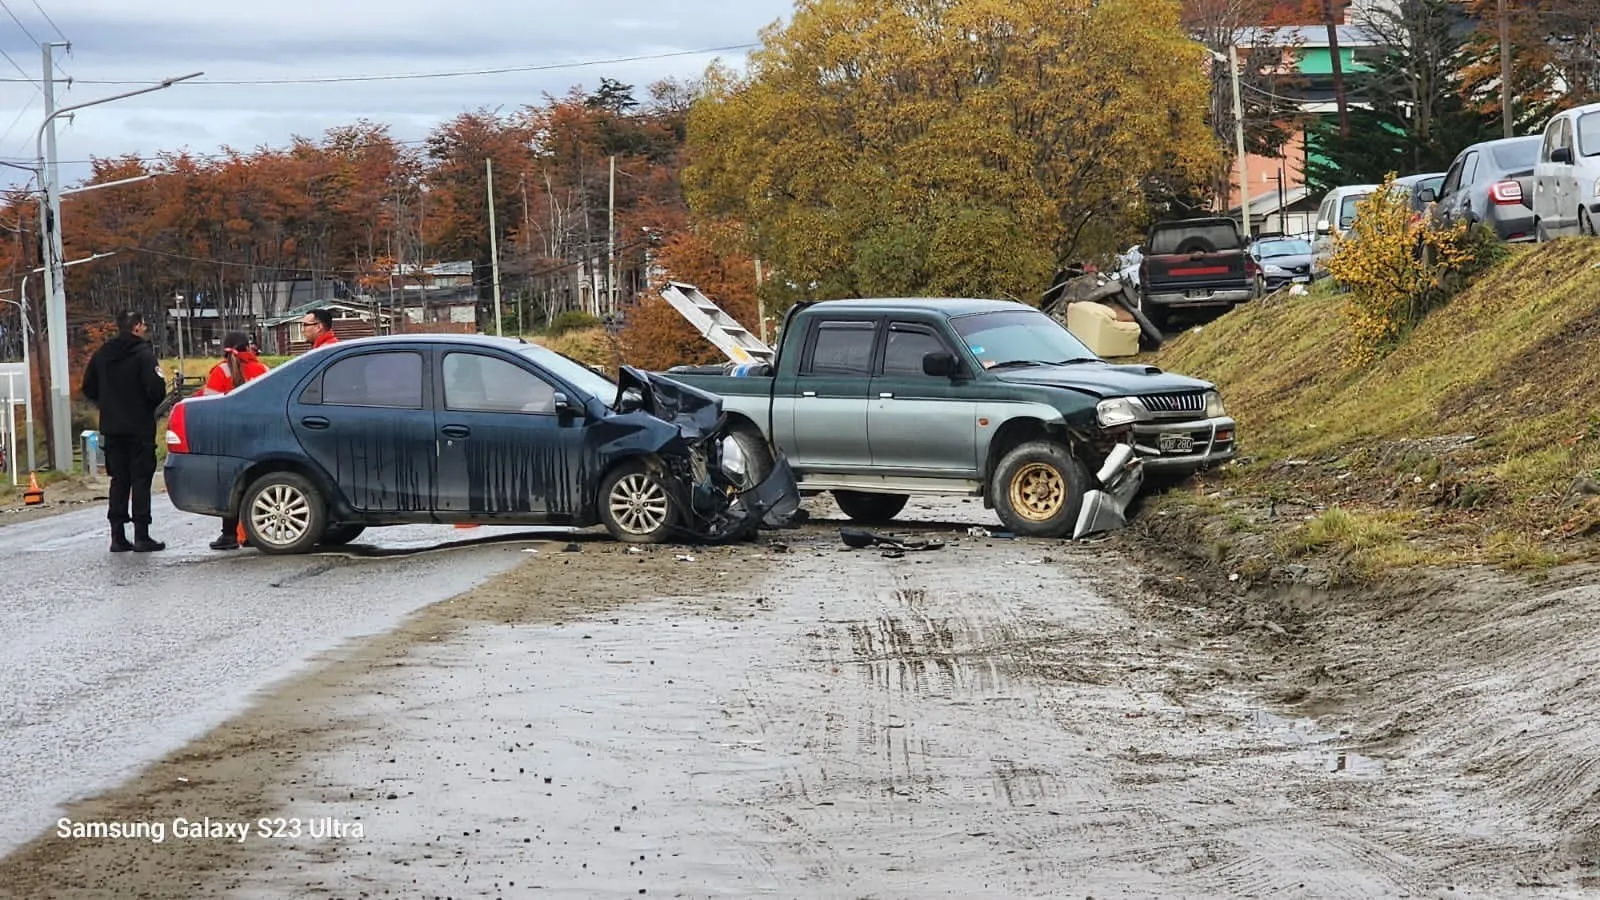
[1492, 182]
[1566, 179]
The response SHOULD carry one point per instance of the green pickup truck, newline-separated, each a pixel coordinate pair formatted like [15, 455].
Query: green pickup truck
[878, 400]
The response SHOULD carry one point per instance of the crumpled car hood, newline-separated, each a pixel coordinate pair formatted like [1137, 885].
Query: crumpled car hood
[697, 413]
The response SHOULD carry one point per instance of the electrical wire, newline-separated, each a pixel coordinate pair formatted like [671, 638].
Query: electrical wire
[417, 76]
[50, 20]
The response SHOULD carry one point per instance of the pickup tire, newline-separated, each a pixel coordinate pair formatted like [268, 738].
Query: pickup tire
[757, 456]
[1038, 489]
[870, 509]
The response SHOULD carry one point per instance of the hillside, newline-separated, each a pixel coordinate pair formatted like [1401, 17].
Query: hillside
[1477, 440]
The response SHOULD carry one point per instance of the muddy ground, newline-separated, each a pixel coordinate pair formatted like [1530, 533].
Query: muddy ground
[993, 718]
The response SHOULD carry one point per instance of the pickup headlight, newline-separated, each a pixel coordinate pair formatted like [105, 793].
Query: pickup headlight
[732, 462]
[1214, 408]
[1116, 411]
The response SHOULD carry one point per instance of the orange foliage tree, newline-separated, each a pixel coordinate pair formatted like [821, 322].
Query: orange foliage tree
[656, 336]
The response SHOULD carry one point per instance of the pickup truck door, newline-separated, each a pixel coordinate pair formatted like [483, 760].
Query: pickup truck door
[830, 395]
[917, 421]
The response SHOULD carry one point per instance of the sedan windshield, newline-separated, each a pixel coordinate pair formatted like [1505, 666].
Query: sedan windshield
[1020, 337]
[1271, 249]
[574, 373]
[1589, 134]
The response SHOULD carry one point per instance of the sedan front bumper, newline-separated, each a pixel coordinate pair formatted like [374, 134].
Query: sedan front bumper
[1185, 446]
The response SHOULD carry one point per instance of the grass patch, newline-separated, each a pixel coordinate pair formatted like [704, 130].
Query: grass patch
[1508, 362]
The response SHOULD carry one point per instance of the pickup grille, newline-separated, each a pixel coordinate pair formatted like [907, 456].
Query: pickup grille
[1192, 402]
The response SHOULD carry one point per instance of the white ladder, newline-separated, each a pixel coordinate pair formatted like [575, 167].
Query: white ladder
[716, 326]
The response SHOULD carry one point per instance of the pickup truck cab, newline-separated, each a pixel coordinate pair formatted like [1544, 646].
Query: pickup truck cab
[1195, 263]
[876, 400]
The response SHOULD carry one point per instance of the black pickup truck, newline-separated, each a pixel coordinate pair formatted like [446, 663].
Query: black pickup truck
[1195, 263]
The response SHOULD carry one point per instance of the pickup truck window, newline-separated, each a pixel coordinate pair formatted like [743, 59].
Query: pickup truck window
[1023, 337]
[1206, 237]
[842, 348]
[907, 344]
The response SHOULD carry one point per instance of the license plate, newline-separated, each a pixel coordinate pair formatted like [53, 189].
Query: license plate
[1197, 295]
[1302, 279]
[1175, 443]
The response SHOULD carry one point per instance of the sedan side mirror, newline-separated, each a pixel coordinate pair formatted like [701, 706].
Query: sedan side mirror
[563, 406]
[1561, 156]
[940, 364]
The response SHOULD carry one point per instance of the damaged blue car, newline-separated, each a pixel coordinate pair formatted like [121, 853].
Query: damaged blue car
[468, 429]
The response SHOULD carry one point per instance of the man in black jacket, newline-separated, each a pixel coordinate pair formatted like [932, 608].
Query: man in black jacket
[124, 380]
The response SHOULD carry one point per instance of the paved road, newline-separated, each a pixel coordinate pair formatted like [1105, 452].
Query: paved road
[112, 660]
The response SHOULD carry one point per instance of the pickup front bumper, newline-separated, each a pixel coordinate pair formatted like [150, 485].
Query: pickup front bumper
[1186, 446]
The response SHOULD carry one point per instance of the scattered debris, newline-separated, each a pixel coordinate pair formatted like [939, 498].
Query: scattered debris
[858, 539]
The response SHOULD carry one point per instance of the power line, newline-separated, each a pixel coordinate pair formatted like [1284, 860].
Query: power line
[23, 72]
[416, 76]
[209, 157]
[7, 7]
[50, 20]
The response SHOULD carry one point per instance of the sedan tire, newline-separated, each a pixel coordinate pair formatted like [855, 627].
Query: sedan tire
[637, 505]
[283, 513]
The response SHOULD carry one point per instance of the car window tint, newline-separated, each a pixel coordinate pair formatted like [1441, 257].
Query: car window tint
[902, 355]
[477, 383]
[390, 379]
[1347, 209]
[843, 348]
[1208, 237]
[1589, 134]
[1521, 154]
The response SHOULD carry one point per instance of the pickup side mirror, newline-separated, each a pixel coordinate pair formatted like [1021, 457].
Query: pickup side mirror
[1324, 228]
[1427, 195]
[941, 364]
[1561, 156]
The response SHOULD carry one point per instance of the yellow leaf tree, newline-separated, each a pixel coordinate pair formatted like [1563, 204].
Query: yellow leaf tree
[922, 147]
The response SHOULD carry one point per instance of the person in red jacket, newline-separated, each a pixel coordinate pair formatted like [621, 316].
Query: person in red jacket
[239, 365]
[318, 328]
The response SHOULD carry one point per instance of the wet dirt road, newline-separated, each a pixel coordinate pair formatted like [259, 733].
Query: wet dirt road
[112, 660]
[983, 720]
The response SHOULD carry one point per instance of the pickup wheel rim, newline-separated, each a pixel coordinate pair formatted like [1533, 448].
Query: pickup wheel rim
[1038, 492]
[280, 514]
[639, 503]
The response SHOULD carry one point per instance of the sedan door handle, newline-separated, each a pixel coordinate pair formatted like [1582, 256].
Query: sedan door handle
[316, 422]
[808, 393]
[456, 431]
[886, 395]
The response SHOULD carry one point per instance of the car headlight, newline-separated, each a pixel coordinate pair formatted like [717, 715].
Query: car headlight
[1214, 408]
[732, 463]
[1274, 270]
[1116, 411]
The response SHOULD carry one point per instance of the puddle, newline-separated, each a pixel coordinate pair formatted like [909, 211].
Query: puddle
[1318, 749]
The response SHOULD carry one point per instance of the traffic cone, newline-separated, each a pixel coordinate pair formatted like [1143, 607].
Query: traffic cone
[239, 534]
[34, 495]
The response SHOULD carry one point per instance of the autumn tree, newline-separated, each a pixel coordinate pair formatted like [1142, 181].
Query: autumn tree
[895, 147]
[1555, 59]
[657, 336]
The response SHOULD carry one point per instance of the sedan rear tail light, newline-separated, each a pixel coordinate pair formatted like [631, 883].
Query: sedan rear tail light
[177, 431]
[1506, 192]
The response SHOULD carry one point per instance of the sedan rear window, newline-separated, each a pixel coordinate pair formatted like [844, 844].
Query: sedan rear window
[1520, 155]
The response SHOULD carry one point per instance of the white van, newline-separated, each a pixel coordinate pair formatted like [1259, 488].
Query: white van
[1566, 179]
[1334, 217]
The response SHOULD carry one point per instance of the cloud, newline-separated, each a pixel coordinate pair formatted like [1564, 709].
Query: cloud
[130, 41]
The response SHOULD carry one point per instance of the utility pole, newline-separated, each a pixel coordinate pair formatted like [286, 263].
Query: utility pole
[1505, 70]
[1238, 136]
[1338, 68]
[494, 245]
[527, 255]
[611, 243]
[55, 306]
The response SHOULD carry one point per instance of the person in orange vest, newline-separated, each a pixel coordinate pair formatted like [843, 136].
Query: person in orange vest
[318, 328]
[239, 365]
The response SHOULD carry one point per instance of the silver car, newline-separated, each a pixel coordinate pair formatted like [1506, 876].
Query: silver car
[1566, 179]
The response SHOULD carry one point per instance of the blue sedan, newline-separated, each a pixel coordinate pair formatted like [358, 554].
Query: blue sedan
[468, 429]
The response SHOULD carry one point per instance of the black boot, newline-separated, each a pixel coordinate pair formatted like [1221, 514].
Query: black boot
[228, 540]
[142, 542]
[119, 538]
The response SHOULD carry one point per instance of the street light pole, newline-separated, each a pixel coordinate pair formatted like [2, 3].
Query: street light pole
[55, 278]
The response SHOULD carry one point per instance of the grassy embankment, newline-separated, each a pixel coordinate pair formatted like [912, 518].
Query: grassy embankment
[1475, 441]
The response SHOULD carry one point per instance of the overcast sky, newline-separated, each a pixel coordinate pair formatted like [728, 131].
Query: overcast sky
[257, 40]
